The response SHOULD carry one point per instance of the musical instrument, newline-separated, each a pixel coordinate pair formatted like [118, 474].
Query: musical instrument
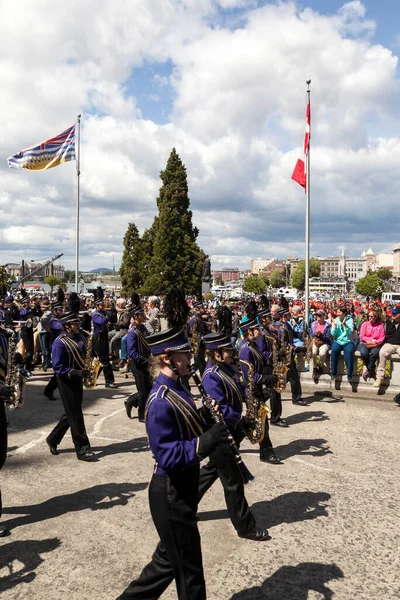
[280, 367]
[194, 338]
[16, 376]
[256, 411]
[218, 418]
[92, 365]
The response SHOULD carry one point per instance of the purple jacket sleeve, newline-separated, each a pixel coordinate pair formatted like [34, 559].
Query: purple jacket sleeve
[246, 359]
[59, 358]
[132, 342]
[214, 387]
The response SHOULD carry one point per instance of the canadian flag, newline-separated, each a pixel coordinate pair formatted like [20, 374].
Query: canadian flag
[299, 173]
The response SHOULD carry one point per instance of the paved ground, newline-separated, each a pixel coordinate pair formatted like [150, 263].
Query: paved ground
[83, 531]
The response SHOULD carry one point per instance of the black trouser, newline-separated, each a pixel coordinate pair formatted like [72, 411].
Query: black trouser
[266, 444]
[51, 386]
[101, 350]
[27, 338]
[71, 392]
[276, 398]
[173, 506]
[222, 464]
[294, 380]
[3, 441]
[143, 385]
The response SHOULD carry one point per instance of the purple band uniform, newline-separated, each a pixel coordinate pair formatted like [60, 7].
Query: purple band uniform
[68, 353]
[223, 384]
[173, 426]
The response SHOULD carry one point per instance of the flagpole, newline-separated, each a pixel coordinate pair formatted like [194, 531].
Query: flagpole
[78, 173]
[307, 269]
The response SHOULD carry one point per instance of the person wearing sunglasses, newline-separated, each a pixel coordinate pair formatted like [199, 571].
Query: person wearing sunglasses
[372, 336]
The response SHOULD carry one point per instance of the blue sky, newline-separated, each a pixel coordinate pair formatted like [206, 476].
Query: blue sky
[222, 81]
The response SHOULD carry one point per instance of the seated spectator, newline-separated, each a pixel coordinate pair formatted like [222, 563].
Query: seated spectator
[372, 336]
[297, 325]
[391, 345]
[320, 333]
[342, 331]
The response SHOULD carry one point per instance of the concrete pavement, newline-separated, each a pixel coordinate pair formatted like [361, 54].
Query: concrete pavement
[82, 531]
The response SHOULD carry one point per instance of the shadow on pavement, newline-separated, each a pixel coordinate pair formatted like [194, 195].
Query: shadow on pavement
[136, 445]
[311, 415]
[98, 497]
[26, 552]
[294, 583]
[313, 447]
[39, 412]
[287, 508]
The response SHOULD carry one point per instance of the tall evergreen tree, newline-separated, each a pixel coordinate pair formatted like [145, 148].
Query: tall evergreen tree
[130, 270]
[177, 259]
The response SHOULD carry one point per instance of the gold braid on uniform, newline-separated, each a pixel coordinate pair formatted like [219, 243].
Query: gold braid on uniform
[73, 349]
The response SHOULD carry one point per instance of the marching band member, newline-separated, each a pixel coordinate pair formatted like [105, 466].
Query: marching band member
[100, 346]
[197, 328]
[250, 356]
[139, 354]
[221, 382]
[68, 359]
[175, 431]
[56, 329]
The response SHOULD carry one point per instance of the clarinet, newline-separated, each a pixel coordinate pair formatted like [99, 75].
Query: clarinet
[218, 418]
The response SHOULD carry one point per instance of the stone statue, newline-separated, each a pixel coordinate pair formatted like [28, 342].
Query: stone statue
[206, 273]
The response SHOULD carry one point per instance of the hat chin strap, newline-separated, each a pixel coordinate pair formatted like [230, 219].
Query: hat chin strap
[173, 367]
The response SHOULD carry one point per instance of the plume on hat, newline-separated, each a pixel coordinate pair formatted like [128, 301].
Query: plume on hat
[264, 302]
[135, 299]
[251, 309]
[176, 308]
[100, 293]
[60, 296]
[74, 302]
[224, 316]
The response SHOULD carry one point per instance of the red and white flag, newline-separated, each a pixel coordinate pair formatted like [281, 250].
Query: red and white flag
[299, 173]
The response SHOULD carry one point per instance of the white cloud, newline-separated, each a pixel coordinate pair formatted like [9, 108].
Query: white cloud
[237, 122]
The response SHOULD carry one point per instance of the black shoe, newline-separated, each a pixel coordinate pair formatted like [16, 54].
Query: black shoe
[112, 385]
[270, 457]
[257, 535]
[141, 420]
[88, 456]
[279, 423]
[52, 448]
[49, 396]
[128, 408]
[300, 402]
[4, 532]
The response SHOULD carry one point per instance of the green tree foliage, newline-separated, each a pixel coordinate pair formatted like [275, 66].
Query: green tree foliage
[384, 274]
[52, 281]
[147, 249]
[299, 274]
[131, 268]
[370, 285]
[264, 278]
[254, 284]
[218, 280]
[277, 280]
[176, 259]
[69, 276]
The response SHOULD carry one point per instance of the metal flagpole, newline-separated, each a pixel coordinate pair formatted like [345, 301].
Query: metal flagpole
[78, 173]
[307, 273]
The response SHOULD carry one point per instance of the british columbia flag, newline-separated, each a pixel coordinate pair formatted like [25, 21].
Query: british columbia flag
[46, 155]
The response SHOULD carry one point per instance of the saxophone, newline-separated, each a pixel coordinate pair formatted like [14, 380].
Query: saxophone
[92, 365]
[193, 338]
[256, 411]
[280, 367]
[15, 376]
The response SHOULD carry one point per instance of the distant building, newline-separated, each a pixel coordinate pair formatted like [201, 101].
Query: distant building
[274, 265]
[226, 274]
[14, 270]
[258, 264]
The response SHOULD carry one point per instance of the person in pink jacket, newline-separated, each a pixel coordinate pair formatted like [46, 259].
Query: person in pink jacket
[372, 336]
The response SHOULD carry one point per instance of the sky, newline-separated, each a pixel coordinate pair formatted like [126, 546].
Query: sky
[222, 81]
